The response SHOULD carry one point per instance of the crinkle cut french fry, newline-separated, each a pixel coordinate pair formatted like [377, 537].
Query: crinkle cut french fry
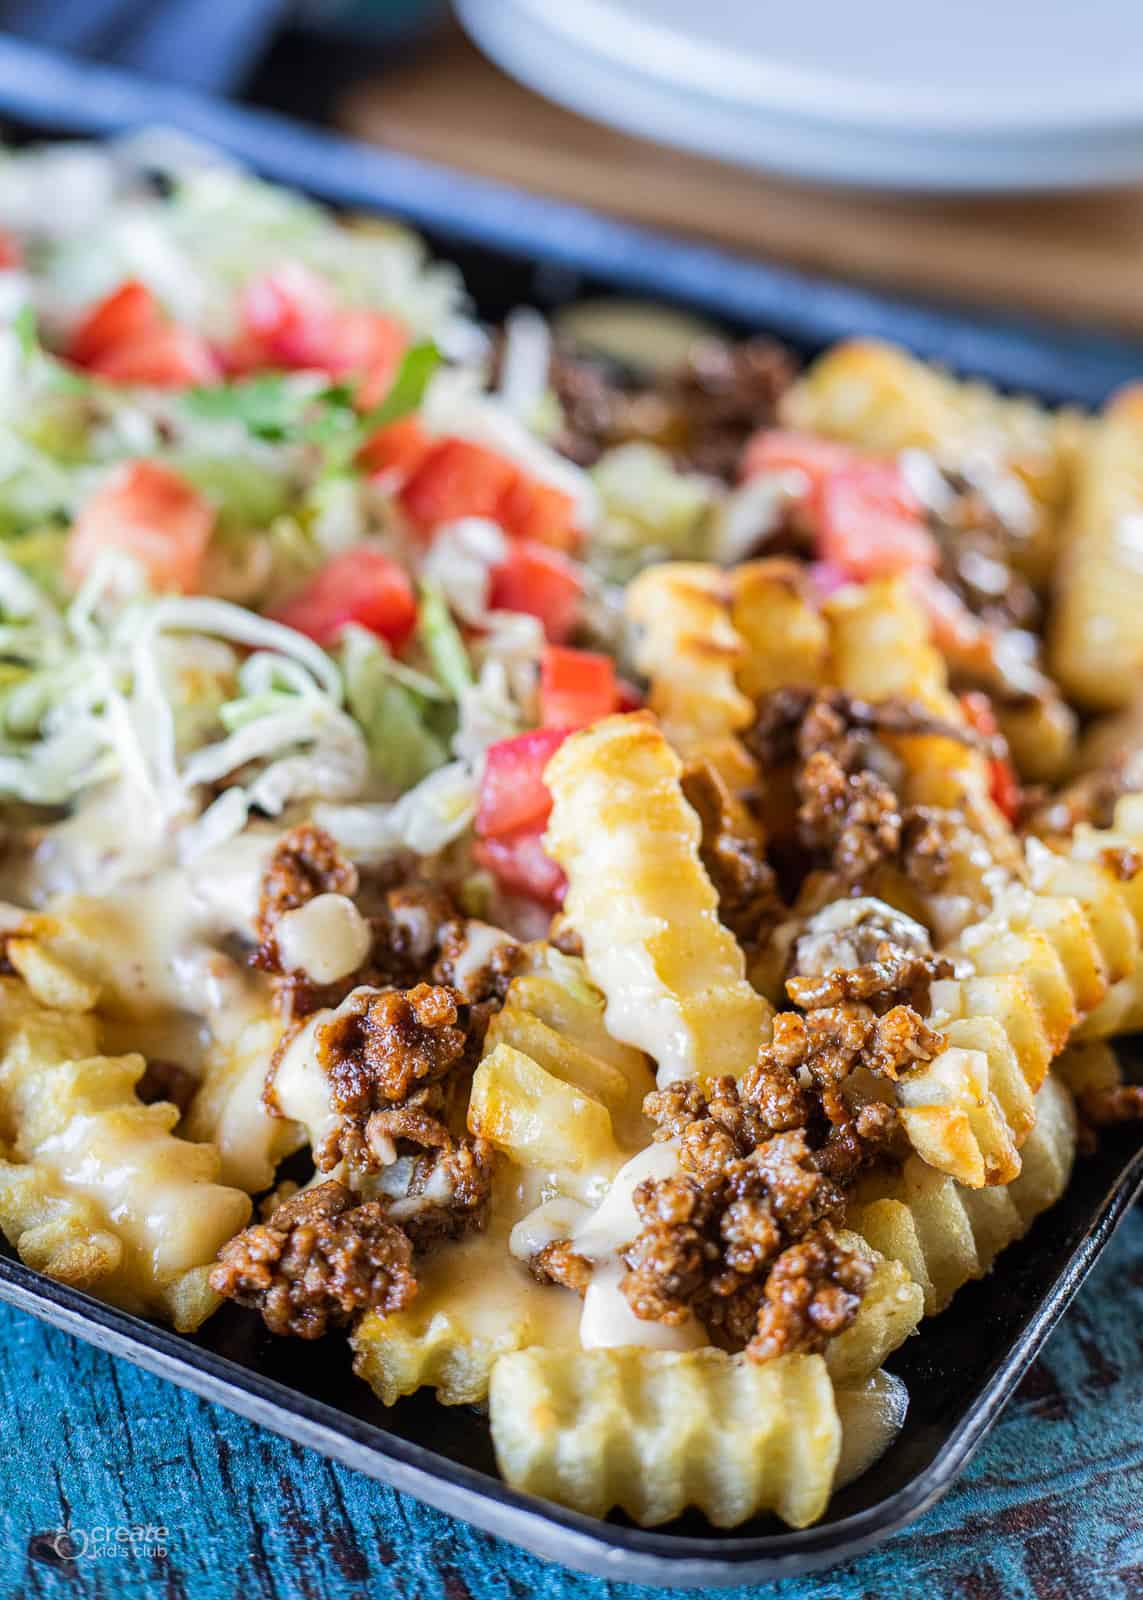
[643, 905]
[785, 637]
[1121, 1010]
[890, 1309]
[434, 1348]
[536, 1119]
[228, 1109]
[654, 1432]
[474, 1304]
[1064, 950]
[86, 1152]
[687, 646]
[943, 1233]
[554, 1014]
[1096, 640]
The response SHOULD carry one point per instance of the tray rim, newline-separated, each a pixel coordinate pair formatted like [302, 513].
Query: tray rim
[49, 94]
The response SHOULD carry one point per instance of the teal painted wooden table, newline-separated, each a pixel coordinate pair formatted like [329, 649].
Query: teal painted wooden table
[1051, 1509]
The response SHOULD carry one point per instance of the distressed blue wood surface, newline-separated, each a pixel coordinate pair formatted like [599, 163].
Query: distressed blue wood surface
[1051, 1509]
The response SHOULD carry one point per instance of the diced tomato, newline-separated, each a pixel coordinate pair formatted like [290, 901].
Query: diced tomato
[290, 319]
[978, 713]
[151, 513]
[287, 317]
[1004, 787]
[542, 583]
[361, 585]
[168, 358]
[1003, 784]
[124, 317]
[783, 450]
[457, 479]
[519, 864]
[870, 523]
[11, 252]
[513, 794]
[128, 338]
[539, 511]
[576, 687]
[367, 345]
[399, 449]
[628, 697]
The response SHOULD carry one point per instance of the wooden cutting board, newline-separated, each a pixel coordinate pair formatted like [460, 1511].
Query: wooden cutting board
[1075, 257]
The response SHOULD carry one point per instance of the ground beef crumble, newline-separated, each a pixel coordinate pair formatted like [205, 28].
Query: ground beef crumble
[398, 1063]
[813, 1292]
[418, 933]
[1124, 862]
[849, 820]
[748, 899]
[743, 1235]
[559, 1263]
[703, 412]
[305, 863]
[318, 1261]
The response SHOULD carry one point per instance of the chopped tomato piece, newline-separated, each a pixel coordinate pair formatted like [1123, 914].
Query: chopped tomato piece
[287, 317]
[124, 317]
[978, 713]
[361, 585]
[11, 252]
[542, 583]
[519, 864]
[290, 319]
[1003, 785]
[783, 450]
[367, 345]
[534, 510]
[457, 479]
[628, 697]
[127, 338]
[151, 513]
[870, 523]
[513, 794]
[399, 449]
[576, 687]
[168, 358]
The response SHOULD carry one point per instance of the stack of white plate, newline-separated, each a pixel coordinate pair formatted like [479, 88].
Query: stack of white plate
[969, 95]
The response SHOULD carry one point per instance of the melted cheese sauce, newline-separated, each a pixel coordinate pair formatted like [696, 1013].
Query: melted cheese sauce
[607, 1320]
[326, 938]
[144, 1181]
[299, 1088]
[155, 946]
[477, 1282]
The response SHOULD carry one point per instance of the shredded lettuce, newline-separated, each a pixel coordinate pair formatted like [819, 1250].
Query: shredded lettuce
[440, 639]
[426, 820]
[650, 510]
[391, 713]
[119, 684]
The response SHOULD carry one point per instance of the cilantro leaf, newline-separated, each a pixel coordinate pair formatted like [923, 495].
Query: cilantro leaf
[272, 408]
[419, 363]
[266, 404]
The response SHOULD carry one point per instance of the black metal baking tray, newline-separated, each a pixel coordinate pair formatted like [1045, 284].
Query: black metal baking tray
[964, 1365]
